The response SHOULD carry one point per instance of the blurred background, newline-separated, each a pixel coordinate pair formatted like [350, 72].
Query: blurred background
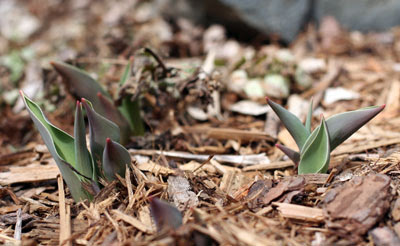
[252, 39]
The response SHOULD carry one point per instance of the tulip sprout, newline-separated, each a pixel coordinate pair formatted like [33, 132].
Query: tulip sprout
[315, 146]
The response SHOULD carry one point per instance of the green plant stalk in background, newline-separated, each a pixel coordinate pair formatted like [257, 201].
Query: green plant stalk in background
[82, 85]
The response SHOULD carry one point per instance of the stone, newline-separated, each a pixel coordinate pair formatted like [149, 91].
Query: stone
[362, 15]
[246, 19]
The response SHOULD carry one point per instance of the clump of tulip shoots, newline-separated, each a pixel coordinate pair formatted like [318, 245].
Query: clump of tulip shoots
[80, 167]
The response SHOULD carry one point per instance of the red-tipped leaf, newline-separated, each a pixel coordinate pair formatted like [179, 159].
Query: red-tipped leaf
[342, 126]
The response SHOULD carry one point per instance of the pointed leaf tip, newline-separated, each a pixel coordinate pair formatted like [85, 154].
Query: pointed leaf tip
[165, 215]
[83, 159]
[342, 126]
[293, 155]
[80, 83]
[100, 128]
[295, 127]
[115, 159]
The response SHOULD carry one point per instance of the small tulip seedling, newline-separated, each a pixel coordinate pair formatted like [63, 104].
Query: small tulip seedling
[315, 146]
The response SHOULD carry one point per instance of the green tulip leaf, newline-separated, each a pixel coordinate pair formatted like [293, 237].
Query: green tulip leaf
[129, 108]
[292, 123]
[315, 154]
[100, 129]
[61, 147]
[112, 113]
[342, 126]
[81, 84]
[115, 160]
[309, 117]
[83, 159]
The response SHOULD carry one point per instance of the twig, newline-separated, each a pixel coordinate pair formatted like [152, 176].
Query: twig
[204, 162]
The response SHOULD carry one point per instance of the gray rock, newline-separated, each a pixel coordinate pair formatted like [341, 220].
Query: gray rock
[285, 18]
[244, 17]
[362, 15]
[282, 17]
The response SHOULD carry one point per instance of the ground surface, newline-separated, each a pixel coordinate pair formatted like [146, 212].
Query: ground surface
[230, 201]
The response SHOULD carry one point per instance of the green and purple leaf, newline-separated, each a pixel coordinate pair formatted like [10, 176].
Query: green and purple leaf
[84, 163]
[81, 84]
[342, 126]
[315, 155]
[112, 113]
[61, 147]
[165, 215]
[100, 129]
[293, 155]
[291, 122]
[115, 160]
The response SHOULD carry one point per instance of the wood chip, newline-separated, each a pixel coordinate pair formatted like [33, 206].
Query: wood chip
[289, 184]
[155, 168]
[65, 215]
[357, 205]
[299, 212]
[132, 221]
[269, 166]
[32, 173]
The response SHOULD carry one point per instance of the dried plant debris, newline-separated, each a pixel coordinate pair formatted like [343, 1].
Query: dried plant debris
[356, 206]
[202, 166]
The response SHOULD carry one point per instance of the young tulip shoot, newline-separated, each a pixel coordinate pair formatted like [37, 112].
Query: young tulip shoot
[61, 146]
[72, 157]
[165, 215]
[325, 138]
